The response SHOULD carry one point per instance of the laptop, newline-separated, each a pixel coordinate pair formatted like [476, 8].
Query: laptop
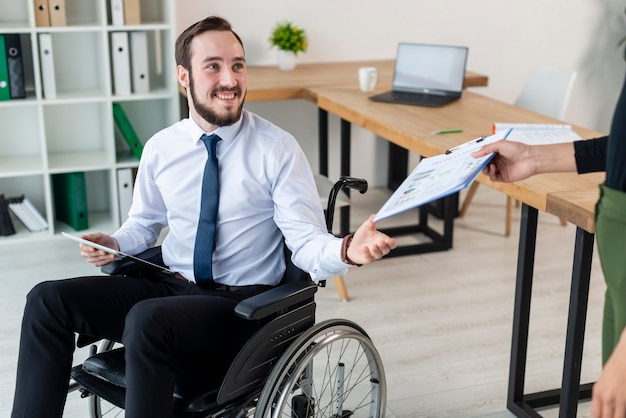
[426, 75]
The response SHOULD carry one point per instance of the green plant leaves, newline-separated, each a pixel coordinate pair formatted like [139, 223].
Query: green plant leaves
[288, 37]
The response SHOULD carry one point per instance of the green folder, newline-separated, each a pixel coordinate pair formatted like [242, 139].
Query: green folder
[70, 199]
[5, 91]
[127, 130]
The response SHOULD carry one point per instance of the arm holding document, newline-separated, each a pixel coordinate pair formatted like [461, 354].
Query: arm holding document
[515, 161]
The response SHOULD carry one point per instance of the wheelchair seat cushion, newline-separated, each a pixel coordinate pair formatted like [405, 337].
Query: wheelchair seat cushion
[109, 365]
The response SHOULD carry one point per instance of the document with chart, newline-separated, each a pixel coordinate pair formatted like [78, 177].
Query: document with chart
[439, 176]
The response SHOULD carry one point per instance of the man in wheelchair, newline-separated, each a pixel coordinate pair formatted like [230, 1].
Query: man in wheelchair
[183, 323]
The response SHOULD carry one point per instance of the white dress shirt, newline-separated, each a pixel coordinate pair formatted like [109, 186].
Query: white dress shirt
[267, 191]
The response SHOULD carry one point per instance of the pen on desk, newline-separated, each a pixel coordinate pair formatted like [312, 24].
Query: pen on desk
[447, 131]
[473, 141]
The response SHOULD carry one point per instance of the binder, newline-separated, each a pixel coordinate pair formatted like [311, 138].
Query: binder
[117, 12]
[47, 66]
[70, 199]
[27, 214]
[5, 90]
[121, 63]
[139, 62]
[56, 10]
[39, 219]
[127, 130]
[125, 191]
[6, 224]
[132, 12]
[42, 17]
[16, 65]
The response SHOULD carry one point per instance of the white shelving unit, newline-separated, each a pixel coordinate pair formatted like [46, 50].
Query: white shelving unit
[75, 131]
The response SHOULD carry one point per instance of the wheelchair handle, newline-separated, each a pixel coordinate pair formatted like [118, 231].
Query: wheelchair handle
[344, 182]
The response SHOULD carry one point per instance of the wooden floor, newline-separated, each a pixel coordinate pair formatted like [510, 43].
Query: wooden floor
[441, 321]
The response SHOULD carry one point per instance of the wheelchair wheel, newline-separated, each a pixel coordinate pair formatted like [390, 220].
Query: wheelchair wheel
[99, 407]
[332, 370]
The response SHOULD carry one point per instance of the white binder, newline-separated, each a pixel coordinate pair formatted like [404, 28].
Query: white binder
[117, 12]
[139, 62]
[124, 191]
[47, 66]
[121, 63]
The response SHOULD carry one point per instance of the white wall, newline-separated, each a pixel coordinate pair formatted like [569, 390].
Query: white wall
[507, 40]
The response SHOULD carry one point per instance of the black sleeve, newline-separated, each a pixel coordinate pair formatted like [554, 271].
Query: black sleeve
[590, 154]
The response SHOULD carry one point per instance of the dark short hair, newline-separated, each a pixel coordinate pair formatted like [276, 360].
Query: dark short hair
[183, 43]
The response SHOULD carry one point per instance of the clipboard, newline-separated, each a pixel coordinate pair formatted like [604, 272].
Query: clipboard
[439, 176]
[114, 252]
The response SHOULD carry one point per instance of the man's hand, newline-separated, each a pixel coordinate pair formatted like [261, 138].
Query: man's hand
[96, 257]
[369, 244]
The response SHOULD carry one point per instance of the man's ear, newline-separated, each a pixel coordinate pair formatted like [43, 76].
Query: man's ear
[183, 76]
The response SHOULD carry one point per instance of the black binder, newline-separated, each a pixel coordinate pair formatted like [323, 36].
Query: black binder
[6, 224]
[13, 45]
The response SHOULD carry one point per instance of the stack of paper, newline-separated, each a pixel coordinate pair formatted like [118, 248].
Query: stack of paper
[536, 133]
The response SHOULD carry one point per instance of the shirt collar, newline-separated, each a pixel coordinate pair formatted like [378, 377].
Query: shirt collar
[227, 133]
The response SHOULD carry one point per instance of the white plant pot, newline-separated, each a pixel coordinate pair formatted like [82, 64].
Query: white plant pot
[286, 60]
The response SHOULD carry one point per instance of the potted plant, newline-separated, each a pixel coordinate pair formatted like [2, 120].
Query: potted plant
[289, 39]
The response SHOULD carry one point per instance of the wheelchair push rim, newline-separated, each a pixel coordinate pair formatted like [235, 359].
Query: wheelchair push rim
[333, 370]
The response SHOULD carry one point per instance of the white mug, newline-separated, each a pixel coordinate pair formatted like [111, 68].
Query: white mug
[368, 77]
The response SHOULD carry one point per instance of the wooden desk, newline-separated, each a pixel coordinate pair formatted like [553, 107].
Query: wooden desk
[267, 83]
[410, 127]
[578, 207]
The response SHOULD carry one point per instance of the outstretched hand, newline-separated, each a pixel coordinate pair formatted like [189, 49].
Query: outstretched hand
[97, 257]
[369, 244]
[512, 161]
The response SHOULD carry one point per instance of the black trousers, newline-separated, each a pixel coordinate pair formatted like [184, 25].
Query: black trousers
[175, 333]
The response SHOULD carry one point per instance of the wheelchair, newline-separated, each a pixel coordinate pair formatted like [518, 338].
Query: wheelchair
[291, 367]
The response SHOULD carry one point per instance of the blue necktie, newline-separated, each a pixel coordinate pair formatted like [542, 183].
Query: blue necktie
[209, 201]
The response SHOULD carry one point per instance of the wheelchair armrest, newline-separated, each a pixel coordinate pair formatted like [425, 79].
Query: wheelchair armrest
[276, 299]
[129, 267]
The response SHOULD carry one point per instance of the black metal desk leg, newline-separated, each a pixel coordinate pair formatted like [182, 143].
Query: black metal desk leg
[521, 313]
[579, 298]
[322, 126]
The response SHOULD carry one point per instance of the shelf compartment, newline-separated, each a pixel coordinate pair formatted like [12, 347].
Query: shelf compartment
[20, 144]
[77, 136]
[159, 64]
[14, 14]
[153, 13]
[32, 187]
[99, 206]
[80, 69]
[147, 118]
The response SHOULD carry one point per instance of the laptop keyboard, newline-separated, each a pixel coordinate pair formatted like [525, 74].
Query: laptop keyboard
[402, 96]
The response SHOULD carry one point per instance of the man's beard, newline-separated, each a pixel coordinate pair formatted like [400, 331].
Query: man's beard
[208, 114]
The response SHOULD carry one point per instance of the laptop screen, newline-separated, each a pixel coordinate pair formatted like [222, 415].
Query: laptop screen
[429, 68]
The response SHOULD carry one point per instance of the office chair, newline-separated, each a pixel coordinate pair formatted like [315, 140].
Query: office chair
[547, 91]
[290, 367]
